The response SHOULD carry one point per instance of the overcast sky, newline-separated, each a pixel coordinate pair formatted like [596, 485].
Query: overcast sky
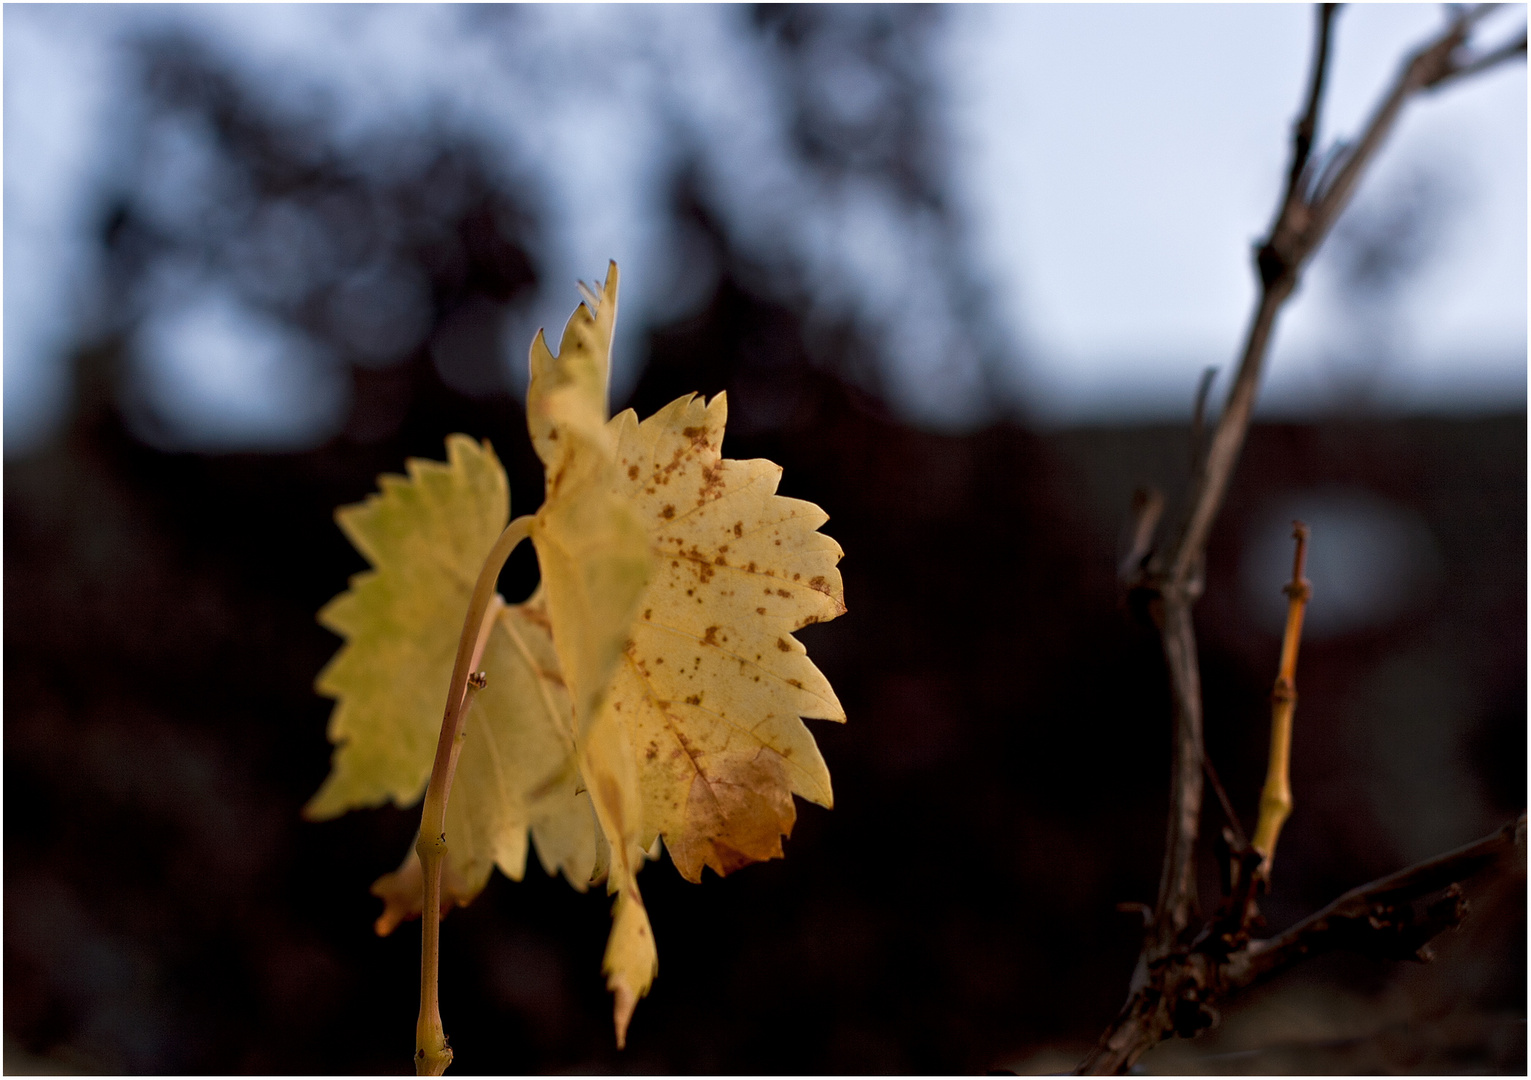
[1126, 157]
[1114, 165]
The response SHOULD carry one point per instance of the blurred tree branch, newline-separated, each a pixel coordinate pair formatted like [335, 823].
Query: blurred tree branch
[1181, 973]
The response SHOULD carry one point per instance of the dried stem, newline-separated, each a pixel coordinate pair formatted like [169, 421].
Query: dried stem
[1168, 986]
[432, 1054]
[1237, 840]
[1147, 510]
[1276, 799]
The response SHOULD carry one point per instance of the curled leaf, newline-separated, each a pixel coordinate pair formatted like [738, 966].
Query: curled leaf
[596, 562]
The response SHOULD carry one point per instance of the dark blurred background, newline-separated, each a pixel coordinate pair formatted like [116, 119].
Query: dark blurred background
[1001, 783]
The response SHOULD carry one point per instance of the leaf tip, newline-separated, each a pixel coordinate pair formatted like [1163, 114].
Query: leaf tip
[622, 1012]
[325, 805]
[631, 960]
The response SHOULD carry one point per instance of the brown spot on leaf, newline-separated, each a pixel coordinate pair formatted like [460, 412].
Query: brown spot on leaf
[794, 682]
[667, 513]
[632, 472]
[818, 583]
[711, 636]
[694, 699]
[760, 611]
[647, 612]
[783, 593]
[737, 811]
[781, 643]
[738, 528]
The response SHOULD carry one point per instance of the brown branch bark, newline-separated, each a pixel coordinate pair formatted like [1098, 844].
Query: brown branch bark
[1176, 983]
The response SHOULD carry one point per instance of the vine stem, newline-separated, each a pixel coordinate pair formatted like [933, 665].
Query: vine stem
[432, 1054]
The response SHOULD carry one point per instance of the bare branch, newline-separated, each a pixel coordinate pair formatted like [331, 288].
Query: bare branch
[1307, 213]
[1390, 918]
[1378, 918]
[1177, 881]
[1177, 979]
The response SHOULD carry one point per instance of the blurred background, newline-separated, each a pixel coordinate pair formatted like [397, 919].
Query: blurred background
[959, 270]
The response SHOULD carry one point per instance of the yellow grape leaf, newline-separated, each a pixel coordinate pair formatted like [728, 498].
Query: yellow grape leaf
[595, 562]
[651, 688]
[713, 683]
[426, 537]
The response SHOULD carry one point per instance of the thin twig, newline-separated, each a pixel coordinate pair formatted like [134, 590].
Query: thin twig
[1276, 799]
[1235, 827]
[1508, 51]
[1307, 127]
[1147, 510]
[1199, 418]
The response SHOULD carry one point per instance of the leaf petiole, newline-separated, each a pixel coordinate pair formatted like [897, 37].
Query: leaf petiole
[432, 1054]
